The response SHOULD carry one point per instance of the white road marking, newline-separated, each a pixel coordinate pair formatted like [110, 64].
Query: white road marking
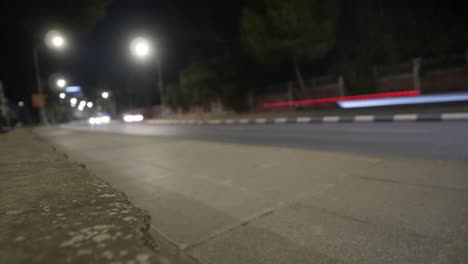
[214, 122]
[260, 120]
[303, 119]
[281, 120]
[364, 118]
[405, 117]
[331, 119]
[455, 116]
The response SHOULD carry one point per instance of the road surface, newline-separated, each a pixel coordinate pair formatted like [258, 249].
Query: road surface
[318, 193]
[444, 140]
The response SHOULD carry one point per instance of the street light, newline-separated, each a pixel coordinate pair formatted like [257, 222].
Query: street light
[62, 95]
[82, 105]
[55, 40]
[61, 83]
[58, 41]
[89, 104]
[141, 49]
[105, 95]
[73, 101]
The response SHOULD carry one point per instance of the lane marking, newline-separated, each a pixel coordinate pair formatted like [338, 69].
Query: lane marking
[364, 118]
[303, 119]
[244, 121]
[331, 119]
[455, 116]
[214, 122]
[229, 121]
[405, 117]
[260, 120]
[281, 120]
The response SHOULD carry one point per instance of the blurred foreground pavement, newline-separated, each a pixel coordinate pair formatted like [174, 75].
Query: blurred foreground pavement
[228, 203]
[53, 210]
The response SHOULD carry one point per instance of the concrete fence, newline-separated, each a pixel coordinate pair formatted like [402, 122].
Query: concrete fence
[429, 75]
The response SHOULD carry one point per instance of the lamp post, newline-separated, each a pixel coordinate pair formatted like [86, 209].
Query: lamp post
[61, 83]
[142, 50]
[55, 40]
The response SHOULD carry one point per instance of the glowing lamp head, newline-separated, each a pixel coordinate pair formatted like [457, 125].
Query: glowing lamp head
[140, 48]
[105, 95]
[62, 95]
[54, 39]
[61, 83]
[58, 41]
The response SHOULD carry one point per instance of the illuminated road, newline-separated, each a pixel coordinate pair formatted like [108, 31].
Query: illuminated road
[444, 140]
[322, 199]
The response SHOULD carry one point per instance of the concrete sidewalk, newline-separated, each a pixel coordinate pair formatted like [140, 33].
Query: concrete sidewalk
[53, 210]
[230, 204]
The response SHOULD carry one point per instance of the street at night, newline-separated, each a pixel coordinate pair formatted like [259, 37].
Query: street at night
[234, 132]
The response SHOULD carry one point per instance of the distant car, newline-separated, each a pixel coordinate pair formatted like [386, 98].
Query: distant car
[99, 119]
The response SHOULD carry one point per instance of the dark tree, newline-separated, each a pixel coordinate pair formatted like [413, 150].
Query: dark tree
[297, 30]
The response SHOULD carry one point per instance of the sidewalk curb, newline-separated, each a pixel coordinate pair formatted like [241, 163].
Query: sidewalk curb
[324, 119]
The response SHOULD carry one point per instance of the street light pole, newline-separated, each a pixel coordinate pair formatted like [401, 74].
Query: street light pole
[141, 49]
[42, 112]
[53, 39]
[160, 80]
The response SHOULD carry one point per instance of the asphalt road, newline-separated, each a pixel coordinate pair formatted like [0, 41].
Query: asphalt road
[437, 140]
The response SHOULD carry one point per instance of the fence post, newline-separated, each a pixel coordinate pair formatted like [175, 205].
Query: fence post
[375, 71]
[466, 57]
[341, 88]
[290, 94]
[417, 73]
[251, 101]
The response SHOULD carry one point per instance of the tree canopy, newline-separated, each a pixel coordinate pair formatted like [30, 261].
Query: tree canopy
[294, 30]
[76, 15]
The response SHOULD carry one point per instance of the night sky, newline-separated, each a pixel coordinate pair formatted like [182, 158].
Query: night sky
[88, 54]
